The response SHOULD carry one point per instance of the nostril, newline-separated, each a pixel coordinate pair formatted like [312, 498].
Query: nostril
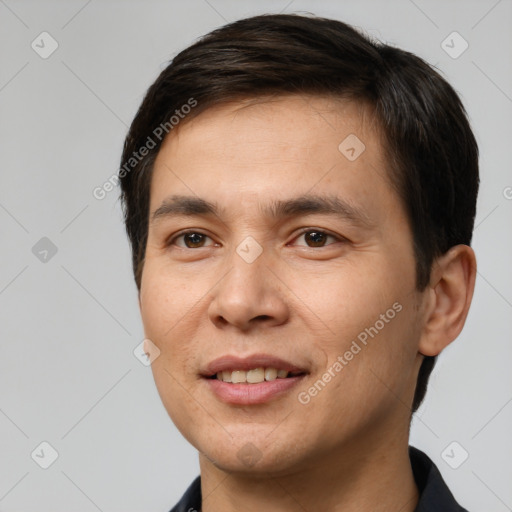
[262, 317]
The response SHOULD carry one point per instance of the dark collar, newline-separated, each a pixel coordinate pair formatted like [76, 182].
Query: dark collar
[434, 494]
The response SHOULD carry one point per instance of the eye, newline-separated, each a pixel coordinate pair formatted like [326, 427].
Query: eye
[190, 240]
[316, 237]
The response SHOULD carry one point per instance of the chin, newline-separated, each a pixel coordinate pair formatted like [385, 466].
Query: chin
[252, 455]
[265, 467]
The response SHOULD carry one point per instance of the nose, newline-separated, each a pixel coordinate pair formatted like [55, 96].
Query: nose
[250, 295]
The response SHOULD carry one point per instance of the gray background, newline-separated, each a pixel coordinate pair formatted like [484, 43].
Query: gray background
[70, 323]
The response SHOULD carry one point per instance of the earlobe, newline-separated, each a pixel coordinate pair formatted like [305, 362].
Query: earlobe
[450, 293]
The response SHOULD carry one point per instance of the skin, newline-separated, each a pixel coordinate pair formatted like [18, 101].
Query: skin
[302, 302]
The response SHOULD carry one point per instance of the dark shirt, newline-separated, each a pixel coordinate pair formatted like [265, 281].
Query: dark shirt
[434, 494]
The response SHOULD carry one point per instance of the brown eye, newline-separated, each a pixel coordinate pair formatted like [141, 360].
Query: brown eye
[193, 240]
[316, 238]
[190, 240]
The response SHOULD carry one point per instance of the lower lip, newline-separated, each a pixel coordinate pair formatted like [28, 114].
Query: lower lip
[249, 394]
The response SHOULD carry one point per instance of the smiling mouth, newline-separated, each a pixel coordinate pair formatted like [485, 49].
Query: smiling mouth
[253, 376]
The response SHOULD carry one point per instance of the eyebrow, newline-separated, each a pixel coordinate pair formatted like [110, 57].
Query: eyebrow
[177, 205]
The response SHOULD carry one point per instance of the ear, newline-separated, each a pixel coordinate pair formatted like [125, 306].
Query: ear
[448, 297]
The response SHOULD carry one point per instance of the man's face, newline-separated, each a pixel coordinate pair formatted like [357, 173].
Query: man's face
[247, 280]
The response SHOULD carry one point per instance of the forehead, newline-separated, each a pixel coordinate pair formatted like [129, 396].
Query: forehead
[303, 120]
[283, 146]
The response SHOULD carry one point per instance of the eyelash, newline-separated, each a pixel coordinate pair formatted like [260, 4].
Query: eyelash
[301, 232]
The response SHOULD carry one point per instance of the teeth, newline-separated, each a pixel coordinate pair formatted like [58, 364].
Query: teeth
[254, 376]
[270, 374]
[238, 376]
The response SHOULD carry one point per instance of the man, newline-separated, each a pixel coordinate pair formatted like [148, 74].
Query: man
[300, 202]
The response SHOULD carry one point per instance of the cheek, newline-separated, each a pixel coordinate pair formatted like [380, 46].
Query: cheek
[378, 360]
[167, 297]
[346, 299]
[371, 323]
[166, 304]
[167, 307]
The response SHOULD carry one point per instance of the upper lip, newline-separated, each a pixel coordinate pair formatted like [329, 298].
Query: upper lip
[232, 363]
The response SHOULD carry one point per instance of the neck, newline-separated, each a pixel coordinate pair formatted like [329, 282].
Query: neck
[366, 476]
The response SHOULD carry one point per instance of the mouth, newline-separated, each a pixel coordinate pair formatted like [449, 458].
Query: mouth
[252, 380]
